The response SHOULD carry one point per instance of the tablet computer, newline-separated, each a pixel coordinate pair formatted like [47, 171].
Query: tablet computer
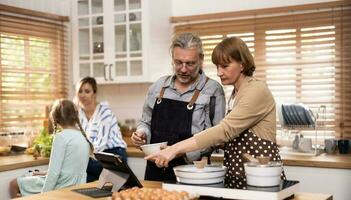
[115, 163]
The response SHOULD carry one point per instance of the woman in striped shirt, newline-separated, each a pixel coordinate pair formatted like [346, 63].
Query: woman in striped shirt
[100, 124]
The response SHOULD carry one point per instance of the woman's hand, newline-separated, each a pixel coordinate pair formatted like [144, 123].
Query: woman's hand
[163, 157]
[138, 138]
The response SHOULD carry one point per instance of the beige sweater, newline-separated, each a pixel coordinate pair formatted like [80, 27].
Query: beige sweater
[253, 109]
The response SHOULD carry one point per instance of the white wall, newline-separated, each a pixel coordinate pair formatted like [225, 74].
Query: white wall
[126, 100]
[159, 32]
[196, 7]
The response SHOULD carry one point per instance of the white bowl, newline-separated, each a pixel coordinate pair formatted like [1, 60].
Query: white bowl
[263, 181]
[152, 148]
[210, 174]
[200, 181]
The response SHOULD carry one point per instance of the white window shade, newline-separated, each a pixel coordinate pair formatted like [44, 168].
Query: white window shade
[302, 53]
[33, 70]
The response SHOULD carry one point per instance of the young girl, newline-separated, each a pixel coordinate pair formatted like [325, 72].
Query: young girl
[69, 155]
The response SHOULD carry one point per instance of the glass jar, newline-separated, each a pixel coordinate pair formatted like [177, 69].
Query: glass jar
[5, 144]
[5, 139]
[19, 139]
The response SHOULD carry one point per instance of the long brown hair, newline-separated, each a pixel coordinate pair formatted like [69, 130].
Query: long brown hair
[65, 113]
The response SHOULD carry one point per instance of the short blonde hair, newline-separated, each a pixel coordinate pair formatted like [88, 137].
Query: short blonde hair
[233, 48]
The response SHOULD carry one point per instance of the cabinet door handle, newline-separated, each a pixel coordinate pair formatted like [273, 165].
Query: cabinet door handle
[111, 72]
[105, 65]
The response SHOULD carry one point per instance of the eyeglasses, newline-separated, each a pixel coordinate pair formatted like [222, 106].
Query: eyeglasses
[189, 64]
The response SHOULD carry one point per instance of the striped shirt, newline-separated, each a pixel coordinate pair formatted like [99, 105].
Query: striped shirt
[102, 129]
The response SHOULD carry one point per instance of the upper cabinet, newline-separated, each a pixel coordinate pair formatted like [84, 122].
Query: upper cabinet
[111, 38]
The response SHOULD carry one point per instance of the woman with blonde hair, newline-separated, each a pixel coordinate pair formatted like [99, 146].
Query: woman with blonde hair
[100, 124]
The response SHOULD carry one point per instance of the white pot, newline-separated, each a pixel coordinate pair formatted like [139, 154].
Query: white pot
[263, 175]
[200, 181]
[191, 172]
[210, 174]
[262, 181]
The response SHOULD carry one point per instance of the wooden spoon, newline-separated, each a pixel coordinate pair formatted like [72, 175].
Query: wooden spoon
[250, 158]
[263, 160]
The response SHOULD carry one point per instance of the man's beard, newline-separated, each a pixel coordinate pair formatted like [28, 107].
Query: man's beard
[185, 78]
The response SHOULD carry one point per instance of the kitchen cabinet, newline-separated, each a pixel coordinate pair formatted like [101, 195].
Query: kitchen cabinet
[111, 39]
[322, 180]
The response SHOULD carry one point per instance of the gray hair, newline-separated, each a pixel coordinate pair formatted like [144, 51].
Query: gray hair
[188, 41]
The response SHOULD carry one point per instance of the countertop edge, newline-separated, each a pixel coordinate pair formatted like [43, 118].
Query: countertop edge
[323, 161]
[67, 193]
[13, 162]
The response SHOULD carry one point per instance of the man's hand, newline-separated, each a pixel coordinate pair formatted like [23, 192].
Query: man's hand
[138, 138]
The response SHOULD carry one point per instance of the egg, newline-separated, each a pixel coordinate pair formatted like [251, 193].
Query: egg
[150, 194]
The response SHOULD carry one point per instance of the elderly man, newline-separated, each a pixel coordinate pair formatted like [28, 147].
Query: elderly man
[180, 105]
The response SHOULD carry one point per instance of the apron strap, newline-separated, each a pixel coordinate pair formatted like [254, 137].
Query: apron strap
[162, 92]
[194, 97]
[159, 98]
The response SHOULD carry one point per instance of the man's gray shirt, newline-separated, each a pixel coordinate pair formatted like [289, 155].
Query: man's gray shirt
[201, 114]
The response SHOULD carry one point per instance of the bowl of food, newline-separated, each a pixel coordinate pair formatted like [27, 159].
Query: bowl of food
[153, 148]
[151, 193]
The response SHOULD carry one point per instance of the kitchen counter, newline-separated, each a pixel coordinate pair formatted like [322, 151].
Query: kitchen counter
[21, 160]
[68, 194]
[336, 161]
[18, 161]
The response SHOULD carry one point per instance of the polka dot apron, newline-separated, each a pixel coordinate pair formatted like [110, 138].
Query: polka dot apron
[247, 142]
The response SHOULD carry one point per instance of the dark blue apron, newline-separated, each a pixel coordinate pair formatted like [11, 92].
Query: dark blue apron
[171, 121]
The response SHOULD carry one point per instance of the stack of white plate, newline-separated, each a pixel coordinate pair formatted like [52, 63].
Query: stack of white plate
[189, 174]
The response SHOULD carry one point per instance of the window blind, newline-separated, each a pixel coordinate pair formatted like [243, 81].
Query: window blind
[33, 71]
[302, 52]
